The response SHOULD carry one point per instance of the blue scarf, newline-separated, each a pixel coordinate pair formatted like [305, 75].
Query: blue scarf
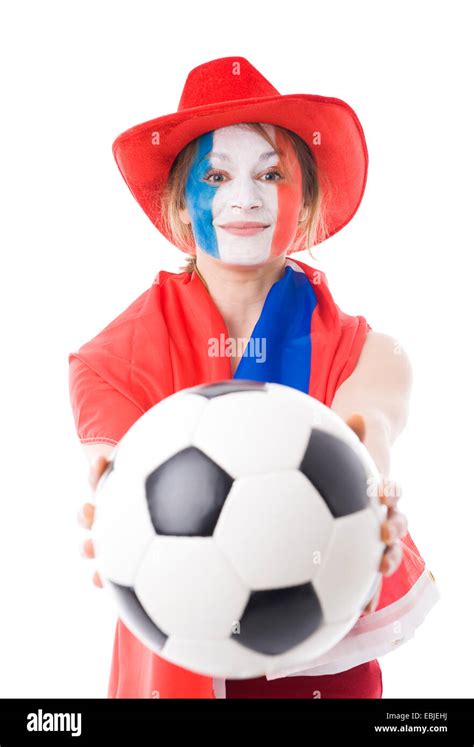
[282, 335]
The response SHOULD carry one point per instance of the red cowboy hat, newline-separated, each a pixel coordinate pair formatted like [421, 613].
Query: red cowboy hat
[230, 90]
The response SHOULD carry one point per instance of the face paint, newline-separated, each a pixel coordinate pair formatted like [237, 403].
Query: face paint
[238, 178]
[199, 196]
[290, 196]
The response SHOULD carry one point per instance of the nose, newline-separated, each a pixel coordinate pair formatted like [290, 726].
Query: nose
[246, 195]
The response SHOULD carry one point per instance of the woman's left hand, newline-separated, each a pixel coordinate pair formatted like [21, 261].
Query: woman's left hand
[392, 529]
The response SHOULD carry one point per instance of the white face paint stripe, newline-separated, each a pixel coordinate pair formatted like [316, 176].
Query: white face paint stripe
[244, 198]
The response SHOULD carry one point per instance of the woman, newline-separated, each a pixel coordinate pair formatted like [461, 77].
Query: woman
[239, 183]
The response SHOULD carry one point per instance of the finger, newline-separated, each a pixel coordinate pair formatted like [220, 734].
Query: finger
[96, 579]
[390, 492]
[87, 549]
[391, 559]
[372, 604]
[98, 466]
[96, 469]
[356, 423]
[86, 515]
[393, 528]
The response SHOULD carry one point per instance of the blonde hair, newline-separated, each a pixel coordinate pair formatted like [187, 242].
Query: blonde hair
[312, 228]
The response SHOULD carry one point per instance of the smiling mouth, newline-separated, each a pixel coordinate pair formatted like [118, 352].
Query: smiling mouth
[244, 228]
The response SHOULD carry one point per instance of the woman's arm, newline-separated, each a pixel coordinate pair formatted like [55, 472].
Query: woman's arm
[374, 402]
[378, 389]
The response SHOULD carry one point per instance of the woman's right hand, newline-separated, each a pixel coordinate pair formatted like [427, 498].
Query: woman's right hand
[87, 512]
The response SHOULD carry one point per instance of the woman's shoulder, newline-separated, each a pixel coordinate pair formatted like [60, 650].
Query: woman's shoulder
[132, 352]
[145, 309]
[131, 331]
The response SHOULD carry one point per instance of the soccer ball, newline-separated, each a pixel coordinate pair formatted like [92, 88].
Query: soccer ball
[238, 528]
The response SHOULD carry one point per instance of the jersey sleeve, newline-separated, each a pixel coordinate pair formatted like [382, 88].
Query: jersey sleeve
[101, 413]
[354, 331]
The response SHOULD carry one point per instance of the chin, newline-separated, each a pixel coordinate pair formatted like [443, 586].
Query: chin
[244, 264]
[250, 262]
[240, 257]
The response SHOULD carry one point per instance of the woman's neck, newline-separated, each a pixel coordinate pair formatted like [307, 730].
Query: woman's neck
[239, 293]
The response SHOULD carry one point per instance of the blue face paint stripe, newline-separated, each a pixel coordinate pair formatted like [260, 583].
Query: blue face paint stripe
[199, 197]
[285, 324]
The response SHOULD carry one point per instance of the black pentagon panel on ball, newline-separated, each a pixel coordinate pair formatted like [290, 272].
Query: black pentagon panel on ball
[276, 620]
[219, 388]
[186, 494]
[336, 472]
[144, 625]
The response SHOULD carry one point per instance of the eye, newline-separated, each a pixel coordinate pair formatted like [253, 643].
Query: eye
[209, 176]
[273, 174]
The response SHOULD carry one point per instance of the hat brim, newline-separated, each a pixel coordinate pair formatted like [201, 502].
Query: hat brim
[145, 153]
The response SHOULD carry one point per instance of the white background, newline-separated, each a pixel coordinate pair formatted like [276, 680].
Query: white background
[77, 249]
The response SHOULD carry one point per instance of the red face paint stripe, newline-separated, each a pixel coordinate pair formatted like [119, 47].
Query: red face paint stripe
[289, 195]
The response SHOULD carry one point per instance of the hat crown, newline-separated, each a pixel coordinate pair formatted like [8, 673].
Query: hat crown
[224, 79]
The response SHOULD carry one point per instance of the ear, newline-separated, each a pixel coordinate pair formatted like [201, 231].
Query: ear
[184, 215]
[357, 424]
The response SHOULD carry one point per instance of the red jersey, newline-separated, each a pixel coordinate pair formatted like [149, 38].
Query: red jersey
[159, 345]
